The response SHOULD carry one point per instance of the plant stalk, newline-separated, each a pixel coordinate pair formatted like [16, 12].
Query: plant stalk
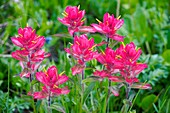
[31, 87]
[108, 39]
[49, 102]
[107, 98]
[82, 76]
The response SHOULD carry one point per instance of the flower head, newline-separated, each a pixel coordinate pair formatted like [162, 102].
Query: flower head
[129, 55]
[72, 18]
[29, 61]
[31, 55]
[122, 61]
[82, 50]
[28, 39]
[109, 26]
[51, 80]
[108, 58]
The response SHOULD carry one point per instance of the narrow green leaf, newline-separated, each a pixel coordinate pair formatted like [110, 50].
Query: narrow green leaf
[88, 90]
[58, 107]
[91, 79]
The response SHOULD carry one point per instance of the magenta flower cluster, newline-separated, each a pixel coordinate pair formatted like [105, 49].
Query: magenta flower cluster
[120, 65]
[31, 56]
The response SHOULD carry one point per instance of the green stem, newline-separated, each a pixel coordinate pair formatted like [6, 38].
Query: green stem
[107, 98]
[31, 87]
[108, 39]
[49, 102]
[127, 92]
[148, 48]
[118, 8]
[33, 104]
[74, 34]
[8, 87]
[83, 74]
[134, 101]
[82, 78]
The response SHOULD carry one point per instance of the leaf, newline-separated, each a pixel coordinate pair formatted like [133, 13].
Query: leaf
[148, 101]
[91, 79]
[166, 56]
[58, 107]
[114, 90]
[1, 81]
[38, 104]
[34, 82]
[88, 90]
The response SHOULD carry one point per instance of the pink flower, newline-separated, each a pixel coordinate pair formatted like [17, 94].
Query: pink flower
[77, 69]
[109, 26]
[28, 39]
[72, 18]
[106, 74]
[29, 61]
[108, 58]
[54, 92]
[51, 80]
[141, 86]
[129, 55]
[82, 50]
[122, 61]
[21, 55]
[31, 55]
[102, 73]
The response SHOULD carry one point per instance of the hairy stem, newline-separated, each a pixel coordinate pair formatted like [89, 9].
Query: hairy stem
[74, 34]
[127, 91]
[107, 98]
[82, 75]
[31, 87]
[49, 102]
[83, 79]
[108, 39]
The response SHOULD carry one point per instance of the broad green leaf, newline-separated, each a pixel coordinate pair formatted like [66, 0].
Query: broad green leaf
[148, 101]
[166, 56]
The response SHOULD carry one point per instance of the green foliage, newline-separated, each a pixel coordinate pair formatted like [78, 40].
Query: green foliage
[166, 56]
[155, 71]
[10, 105]
[146, 24]
[148, 101]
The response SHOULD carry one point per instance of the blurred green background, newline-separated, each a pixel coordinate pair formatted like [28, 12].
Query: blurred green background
[147, 24]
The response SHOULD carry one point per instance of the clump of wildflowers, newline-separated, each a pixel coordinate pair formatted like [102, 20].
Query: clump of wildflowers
[120, 65]
[122, 61]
